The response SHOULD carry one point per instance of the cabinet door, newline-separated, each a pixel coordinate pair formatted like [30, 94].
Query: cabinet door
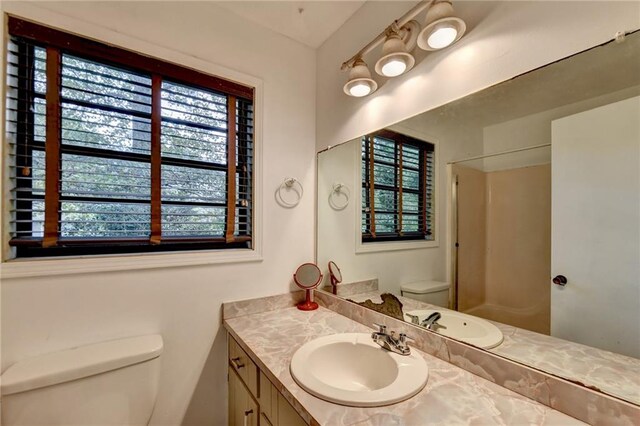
[287, 415]
[243, 410]
[268, 402]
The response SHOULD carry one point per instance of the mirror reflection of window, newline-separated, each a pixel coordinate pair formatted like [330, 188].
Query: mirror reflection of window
[397, 188]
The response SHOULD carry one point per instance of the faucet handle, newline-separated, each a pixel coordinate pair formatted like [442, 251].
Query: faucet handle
[381, 328]
[403, 338]
[415, 319]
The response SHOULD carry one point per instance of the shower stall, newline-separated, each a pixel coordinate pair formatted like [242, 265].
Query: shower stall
[501, 237]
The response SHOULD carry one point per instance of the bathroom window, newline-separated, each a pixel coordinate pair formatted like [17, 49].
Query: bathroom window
[115, 152]
[397, 188]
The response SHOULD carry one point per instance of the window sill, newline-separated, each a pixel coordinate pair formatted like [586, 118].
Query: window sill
[393, 246]
[50, 266]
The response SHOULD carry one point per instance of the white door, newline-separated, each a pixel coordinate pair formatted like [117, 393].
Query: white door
[595, 240]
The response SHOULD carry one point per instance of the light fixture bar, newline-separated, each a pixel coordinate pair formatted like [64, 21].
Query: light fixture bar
[396, 25]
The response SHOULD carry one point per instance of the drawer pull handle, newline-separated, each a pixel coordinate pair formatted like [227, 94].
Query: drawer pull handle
[246, 416]
[236, 363]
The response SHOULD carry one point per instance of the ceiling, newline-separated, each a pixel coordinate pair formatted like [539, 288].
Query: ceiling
[309, 22]
[599, 71]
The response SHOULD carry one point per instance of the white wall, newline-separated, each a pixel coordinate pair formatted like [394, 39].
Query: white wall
[504, 39]
[182, 303]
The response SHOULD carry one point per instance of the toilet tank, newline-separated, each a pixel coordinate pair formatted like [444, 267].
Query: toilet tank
[109, 383]
[431, 292]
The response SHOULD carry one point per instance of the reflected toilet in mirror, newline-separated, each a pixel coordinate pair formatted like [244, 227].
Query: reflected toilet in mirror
[307, 277]
[335, 275]
[432, 292]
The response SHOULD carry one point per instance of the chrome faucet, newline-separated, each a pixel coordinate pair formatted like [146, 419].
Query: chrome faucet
[431, 322]
[390, 342]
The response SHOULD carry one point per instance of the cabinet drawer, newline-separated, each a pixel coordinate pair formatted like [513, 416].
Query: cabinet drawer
[240, 362]
[243, 410]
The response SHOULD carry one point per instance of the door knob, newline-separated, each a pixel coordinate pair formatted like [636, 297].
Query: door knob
[560, 280]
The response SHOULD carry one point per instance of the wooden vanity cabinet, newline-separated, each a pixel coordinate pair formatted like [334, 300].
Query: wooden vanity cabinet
[253, 399]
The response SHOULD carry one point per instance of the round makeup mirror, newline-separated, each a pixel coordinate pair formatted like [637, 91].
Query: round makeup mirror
[307, 277]
[336, 276]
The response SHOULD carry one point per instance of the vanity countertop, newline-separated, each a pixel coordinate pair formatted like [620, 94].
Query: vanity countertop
[611, 373]
[451, 396]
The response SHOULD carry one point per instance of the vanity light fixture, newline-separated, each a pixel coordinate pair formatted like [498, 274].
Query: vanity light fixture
[395, 60]
[442, 28]
[360, 82]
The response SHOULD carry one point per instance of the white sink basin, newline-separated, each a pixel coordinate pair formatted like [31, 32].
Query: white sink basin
[350, 369]
[463, 327]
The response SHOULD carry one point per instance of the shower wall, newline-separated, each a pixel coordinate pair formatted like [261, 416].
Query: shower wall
[518, 267]
[472, 236]
[504, 258]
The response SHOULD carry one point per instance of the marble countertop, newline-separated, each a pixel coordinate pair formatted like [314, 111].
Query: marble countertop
[611, 373]
[452, 395]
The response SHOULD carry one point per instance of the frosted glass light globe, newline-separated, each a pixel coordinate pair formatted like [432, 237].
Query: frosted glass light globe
[442, 37]
[360, 82]
[394, 67]
[360, 89]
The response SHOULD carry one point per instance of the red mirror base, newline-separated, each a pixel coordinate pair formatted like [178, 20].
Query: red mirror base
[308, 304]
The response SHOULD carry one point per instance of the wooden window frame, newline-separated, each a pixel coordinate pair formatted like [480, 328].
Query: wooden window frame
[369, 233]
[56, 43]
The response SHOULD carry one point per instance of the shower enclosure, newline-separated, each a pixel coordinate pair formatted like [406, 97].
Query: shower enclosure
[501, 234]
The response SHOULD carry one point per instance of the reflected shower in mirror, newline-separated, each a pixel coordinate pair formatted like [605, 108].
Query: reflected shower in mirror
[508, 219]
[502, 233]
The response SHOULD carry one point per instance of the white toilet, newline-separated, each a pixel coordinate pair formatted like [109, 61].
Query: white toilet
[110, 383]
[432, 292]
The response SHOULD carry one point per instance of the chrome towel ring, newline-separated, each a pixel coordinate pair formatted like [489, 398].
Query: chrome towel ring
[339, 196]
[289, 185]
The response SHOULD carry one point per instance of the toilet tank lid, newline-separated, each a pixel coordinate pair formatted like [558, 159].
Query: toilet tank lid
[80, 362]
[422, 287]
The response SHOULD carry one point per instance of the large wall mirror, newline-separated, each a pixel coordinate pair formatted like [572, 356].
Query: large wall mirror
[508, 219]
